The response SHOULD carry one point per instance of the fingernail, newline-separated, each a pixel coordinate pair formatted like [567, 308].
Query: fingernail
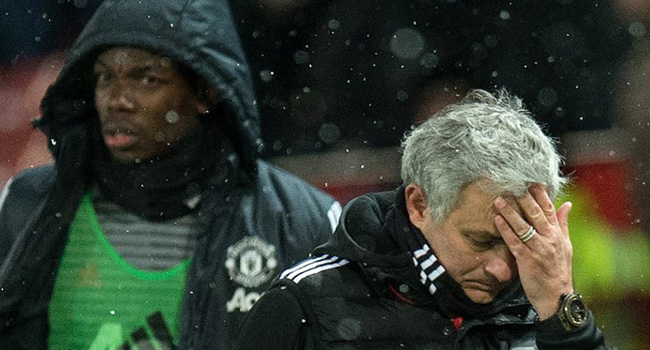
[499, 202]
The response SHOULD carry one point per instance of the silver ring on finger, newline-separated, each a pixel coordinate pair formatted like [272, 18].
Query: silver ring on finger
[528, 235]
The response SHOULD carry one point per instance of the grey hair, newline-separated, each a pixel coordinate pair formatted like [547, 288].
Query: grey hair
[483, 137]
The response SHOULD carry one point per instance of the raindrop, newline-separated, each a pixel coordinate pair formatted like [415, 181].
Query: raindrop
[490, 40]
[266, 75]
[277, 145]
[329, 133]
[301, 57]
[429, 60]
[112, 312]
[53, 142]
[334, 24]
[547, 97]
[160, 136]
[477, 48]
[121, 57]
[166, 62]
[504, 15]
[637, 29]
[349, 329]
[172, 117]
[407, 43]
[402, 95]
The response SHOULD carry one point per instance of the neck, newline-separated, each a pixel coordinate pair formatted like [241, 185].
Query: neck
[162, 188]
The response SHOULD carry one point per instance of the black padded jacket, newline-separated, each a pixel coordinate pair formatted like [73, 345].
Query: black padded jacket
[261, 207]
[361, 291]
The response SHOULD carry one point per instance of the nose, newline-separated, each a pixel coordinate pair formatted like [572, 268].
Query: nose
[502, 265]
[116, 96]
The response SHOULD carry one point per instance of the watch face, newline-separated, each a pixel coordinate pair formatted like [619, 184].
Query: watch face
[575, 310]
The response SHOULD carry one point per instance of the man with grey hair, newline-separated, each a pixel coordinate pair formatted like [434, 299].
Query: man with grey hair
[469, 253]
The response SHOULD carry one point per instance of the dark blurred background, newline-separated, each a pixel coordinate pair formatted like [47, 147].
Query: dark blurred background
[340, 82]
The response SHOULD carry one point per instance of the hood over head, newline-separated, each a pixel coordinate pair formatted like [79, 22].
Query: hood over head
[362, 233]
[199, 34]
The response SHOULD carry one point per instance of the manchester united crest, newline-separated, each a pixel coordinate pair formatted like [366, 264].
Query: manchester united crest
[251, 261]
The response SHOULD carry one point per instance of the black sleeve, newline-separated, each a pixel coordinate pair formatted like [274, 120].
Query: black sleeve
[587, 337]
[274, 323]
[19, 201]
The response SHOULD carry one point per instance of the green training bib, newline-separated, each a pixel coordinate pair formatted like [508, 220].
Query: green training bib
[102, 302]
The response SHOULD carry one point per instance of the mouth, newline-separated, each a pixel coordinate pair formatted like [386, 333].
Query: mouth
[118, 138]
[483, 287]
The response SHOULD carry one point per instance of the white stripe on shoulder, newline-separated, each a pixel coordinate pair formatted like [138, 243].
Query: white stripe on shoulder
[334, 213]
[313, 266]
[339, 263]
[302, 264]
[5, 192]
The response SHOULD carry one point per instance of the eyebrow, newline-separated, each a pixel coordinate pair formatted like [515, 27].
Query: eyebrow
[144, 68]
[99, 62]
[482, 233]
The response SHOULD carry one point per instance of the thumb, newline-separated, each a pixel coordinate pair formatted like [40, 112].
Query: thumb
[563, 216]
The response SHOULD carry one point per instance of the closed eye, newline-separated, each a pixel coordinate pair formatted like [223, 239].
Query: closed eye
[483, 240]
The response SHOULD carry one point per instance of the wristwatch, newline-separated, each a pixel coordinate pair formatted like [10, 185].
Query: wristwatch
[571, 315]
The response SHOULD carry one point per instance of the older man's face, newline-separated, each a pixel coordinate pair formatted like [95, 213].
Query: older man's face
[468, 244]
[145, 105]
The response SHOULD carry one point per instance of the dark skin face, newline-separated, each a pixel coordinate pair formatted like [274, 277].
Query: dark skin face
[145, 105]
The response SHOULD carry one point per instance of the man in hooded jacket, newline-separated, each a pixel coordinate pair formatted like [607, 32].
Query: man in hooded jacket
[469, 253]
[157, 226]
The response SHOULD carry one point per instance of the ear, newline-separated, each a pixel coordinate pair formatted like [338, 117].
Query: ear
[207, 97]
[417, 205]
[201, 107]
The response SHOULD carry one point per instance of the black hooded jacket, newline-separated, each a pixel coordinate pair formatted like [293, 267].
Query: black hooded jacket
[361, 291]
[255, 206]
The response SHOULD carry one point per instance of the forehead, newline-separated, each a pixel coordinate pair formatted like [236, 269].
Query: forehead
[130, 56]
[475, 208]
